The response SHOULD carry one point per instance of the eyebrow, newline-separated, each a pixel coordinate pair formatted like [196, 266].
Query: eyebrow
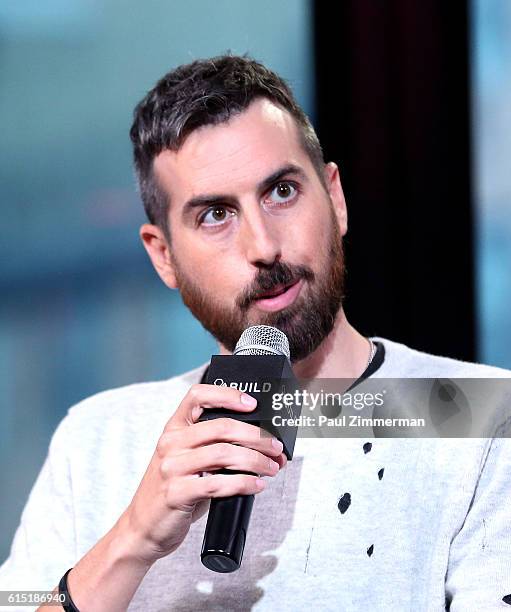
[262, 186]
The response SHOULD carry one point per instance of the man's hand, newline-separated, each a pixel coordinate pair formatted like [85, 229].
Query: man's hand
[172, 495]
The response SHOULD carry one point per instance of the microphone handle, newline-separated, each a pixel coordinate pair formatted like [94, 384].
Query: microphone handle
[226, 530]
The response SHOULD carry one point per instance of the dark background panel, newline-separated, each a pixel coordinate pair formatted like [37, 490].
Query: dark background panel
[393, 111]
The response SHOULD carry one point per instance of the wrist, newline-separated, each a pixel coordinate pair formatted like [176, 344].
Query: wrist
[107, 577]
[128, 545]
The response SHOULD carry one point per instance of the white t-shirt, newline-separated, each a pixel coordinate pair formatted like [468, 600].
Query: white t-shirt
[429, 520]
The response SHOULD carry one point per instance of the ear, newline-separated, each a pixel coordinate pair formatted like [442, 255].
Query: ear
[334, 187]
[158, 249]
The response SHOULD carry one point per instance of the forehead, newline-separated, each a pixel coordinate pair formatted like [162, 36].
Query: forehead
[232, 156]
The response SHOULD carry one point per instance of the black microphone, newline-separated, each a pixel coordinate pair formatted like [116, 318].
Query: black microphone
[260, 366]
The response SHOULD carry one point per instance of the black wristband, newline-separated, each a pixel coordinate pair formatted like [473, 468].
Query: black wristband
[67, 604]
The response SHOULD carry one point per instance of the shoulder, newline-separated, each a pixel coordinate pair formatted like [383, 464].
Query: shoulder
[403, 361]
[481, 407]
[132, 403]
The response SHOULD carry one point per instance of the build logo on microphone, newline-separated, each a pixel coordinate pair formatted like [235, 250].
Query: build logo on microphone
[245, 387]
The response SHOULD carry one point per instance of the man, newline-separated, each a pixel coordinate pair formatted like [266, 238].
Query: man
[247, 221]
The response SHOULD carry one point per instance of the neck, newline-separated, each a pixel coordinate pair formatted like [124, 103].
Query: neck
[342, 354]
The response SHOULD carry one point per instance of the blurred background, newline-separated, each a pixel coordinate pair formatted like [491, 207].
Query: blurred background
[413, 104]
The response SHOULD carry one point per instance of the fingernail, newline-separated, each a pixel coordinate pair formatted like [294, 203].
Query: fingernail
[260, 483]
[248, 400]
[196, 412]
[277, 444]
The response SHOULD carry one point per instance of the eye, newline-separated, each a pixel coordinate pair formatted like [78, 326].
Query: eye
[283, 192]
[215, 215]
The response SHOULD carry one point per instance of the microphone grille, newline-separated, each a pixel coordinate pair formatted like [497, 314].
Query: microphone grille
[262, 340]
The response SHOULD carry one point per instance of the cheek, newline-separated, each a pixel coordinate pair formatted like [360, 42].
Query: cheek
[308, 239]
[216, 274]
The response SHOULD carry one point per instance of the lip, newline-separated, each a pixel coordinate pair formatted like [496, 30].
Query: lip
[272, 304]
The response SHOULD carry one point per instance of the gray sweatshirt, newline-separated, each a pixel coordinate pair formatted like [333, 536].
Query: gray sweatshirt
[350, 524]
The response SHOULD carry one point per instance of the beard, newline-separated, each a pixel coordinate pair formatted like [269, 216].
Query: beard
[306, 322]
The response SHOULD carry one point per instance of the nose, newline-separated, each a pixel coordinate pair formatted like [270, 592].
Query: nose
[259, 238]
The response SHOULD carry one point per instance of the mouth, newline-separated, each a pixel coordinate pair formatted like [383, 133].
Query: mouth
[279, 297]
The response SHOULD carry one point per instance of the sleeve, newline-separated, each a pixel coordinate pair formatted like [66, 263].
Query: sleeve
[479, 569]
[43, 547]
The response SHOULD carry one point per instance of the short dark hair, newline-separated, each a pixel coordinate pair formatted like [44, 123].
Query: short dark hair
[204, 92]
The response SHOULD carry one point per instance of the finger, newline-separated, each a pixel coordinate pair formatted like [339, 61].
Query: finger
[281, 460]
[224, 429]
[201, 396]
[194, 490]
[218, 456]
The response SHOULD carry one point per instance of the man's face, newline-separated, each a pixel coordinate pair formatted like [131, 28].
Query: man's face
[249, 216]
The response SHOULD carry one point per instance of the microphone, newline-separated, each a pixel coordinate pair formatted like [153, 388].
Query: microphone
[259, 365]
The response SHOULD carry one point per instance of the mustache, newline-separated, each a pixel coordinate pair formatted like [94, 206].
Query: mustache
[268, 278]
